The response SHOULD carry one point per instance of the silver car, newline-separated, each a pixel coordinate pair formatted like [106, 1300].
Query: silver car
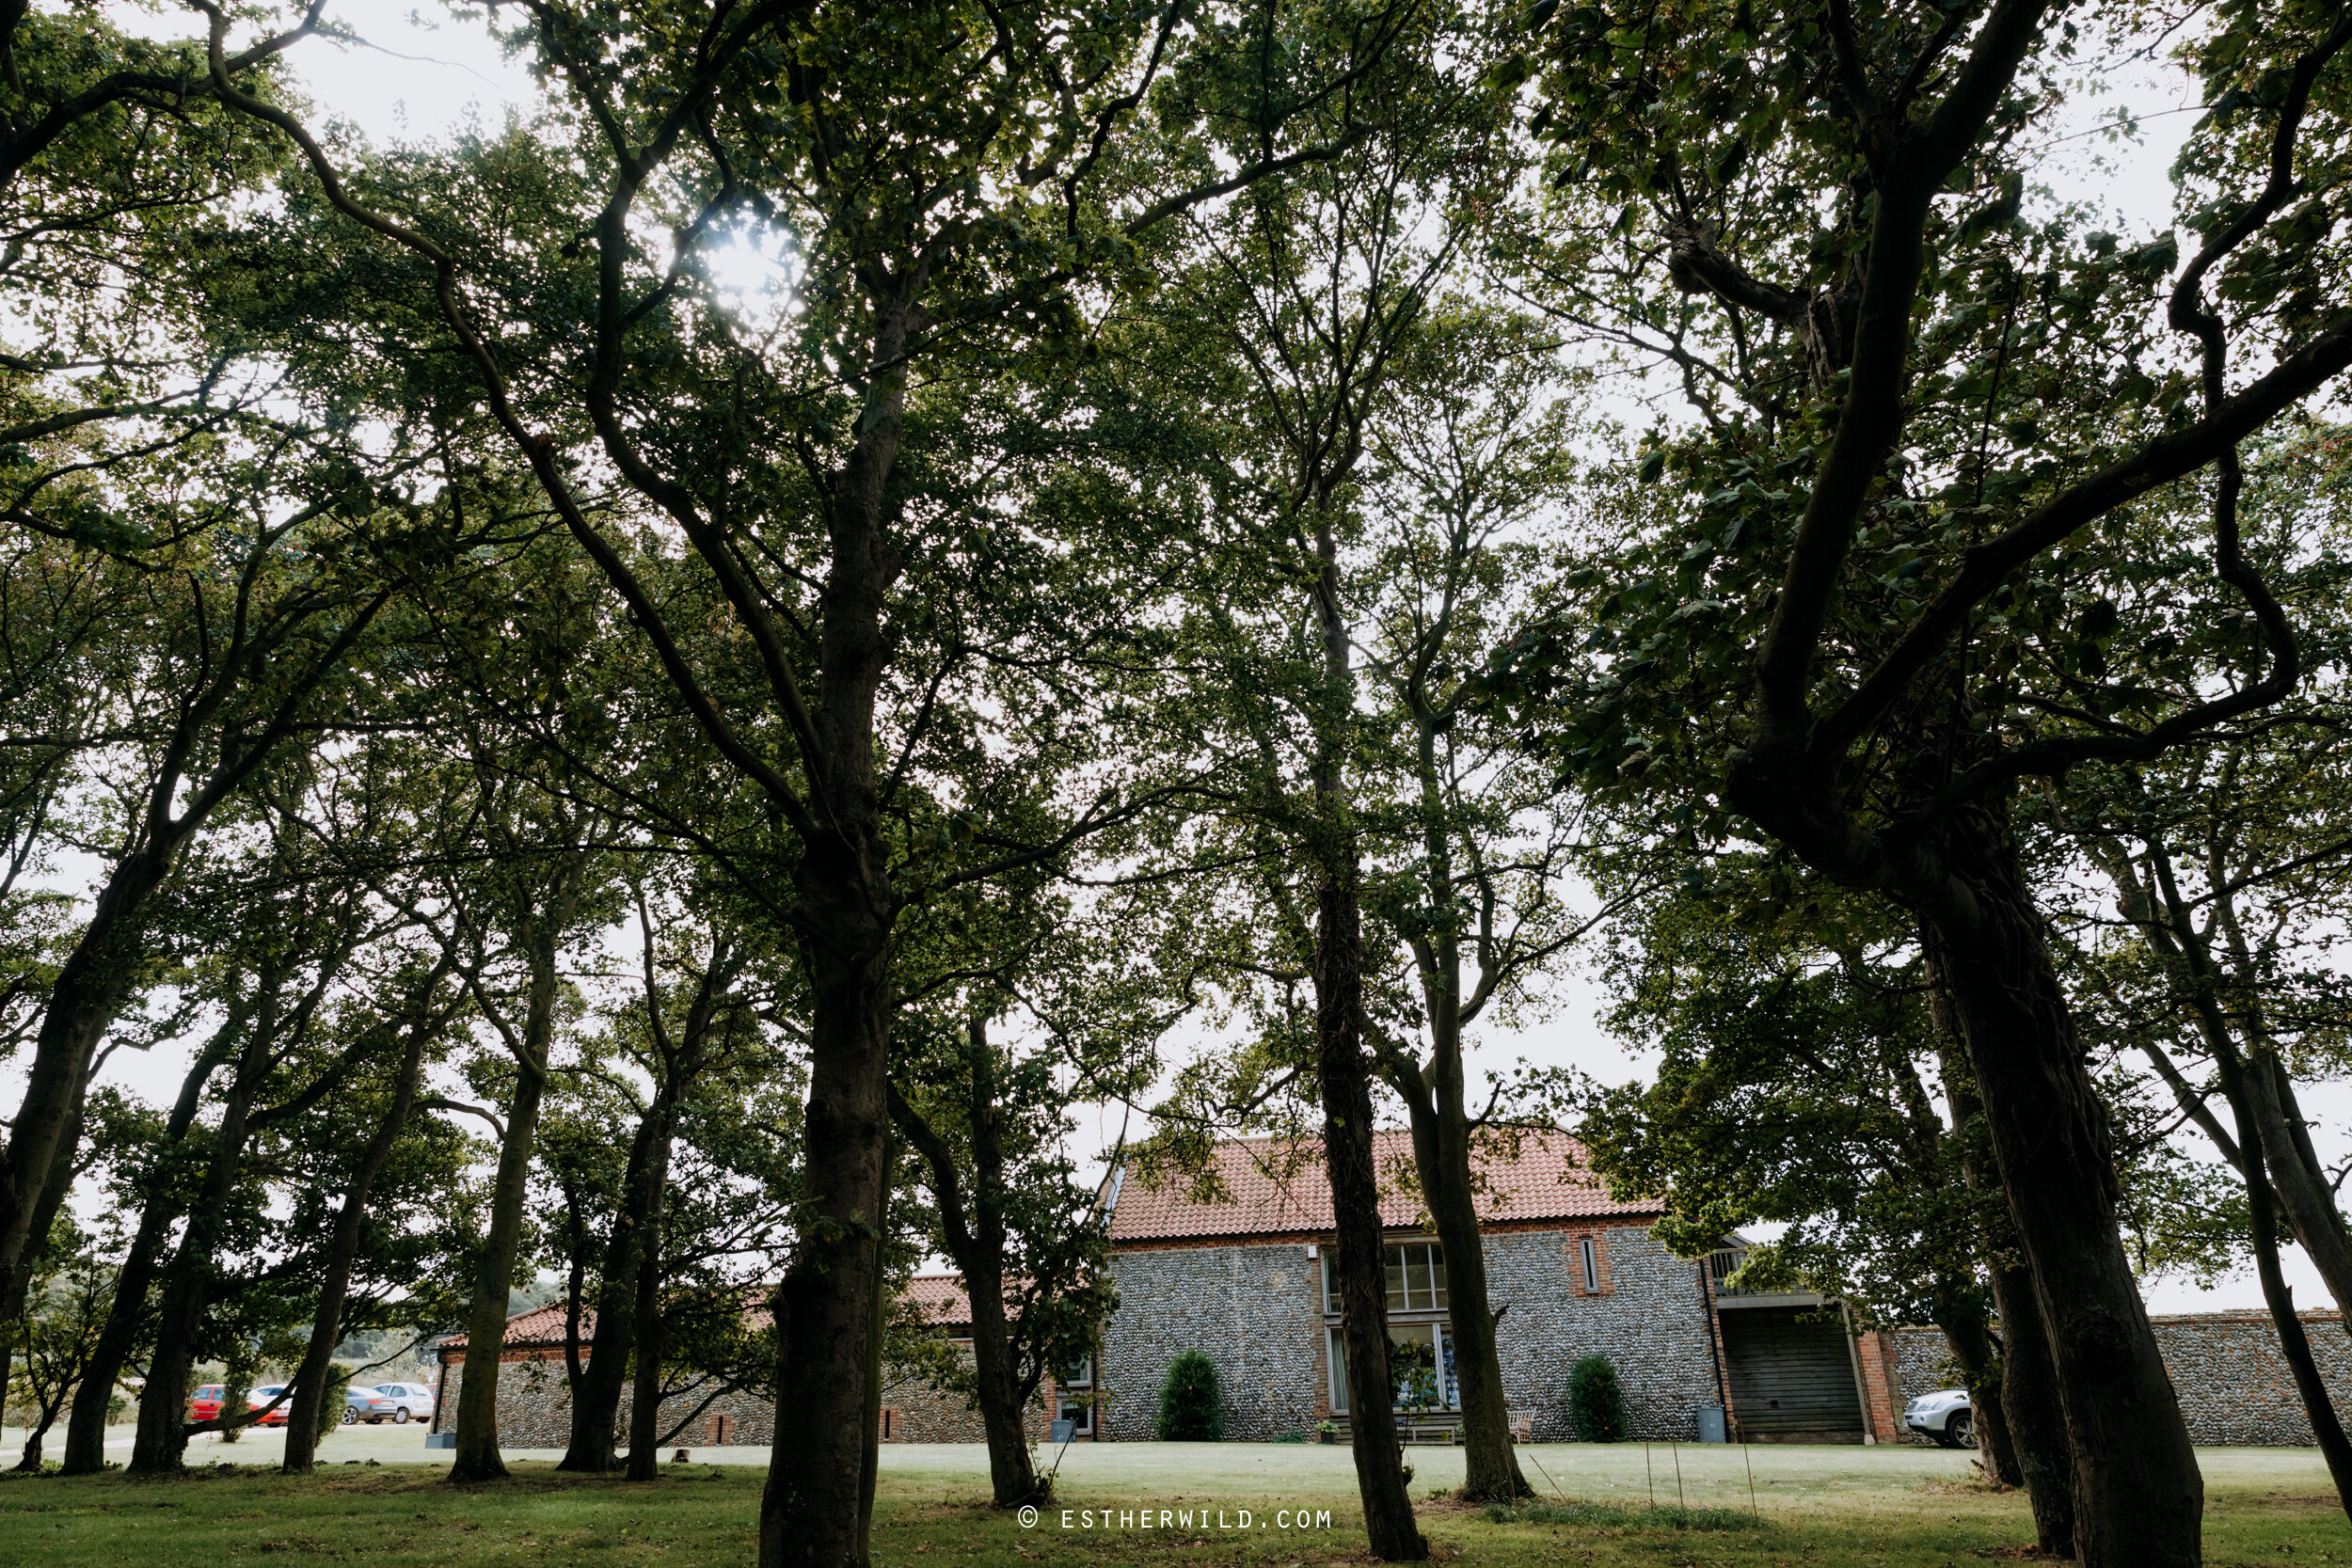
[414, 1399]
[1944, 1416]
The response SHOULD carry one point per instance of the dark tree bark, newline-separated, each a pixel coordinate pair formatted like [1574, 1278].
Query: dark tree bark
[630, 1253]
[597, 1390]
[161, 1438]
[1962, 1320]
[476, 1457]
[126, 1315]
[90, 991]
[2029, 1400]
[2139, 1497]
[1344, 1069]
[870, 1474]
[1441, 1152]
[809, 1512]
[16, 1286]
[2296, 1345]
[645, 1411]
[2037, 1422]
[972, 1222]
[309, 1384]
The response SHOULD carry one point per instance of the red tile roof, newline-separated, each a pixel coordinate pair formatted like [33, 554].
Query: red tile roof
[541, 1326]
[941, 1296]
[1277, 1186]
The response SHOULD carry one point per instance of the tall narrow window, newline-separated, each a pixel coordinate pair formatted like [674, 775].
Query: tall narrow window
[1338, 1350]
[1591, 1267]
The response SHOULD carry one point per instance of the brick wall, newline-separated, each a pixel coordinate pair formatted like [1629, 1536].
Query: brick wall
[2233, 1386]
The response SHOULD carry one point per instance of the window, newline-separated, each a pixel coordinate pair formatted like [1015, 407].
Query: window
[1429, 1345]
[1591, 1266]
[1073, 1392]
[1416, 1278]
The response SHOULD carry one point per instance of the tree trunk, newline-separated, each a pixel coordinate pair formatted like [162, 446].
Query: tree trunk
[2029, 1400]
[810, 1512]
[1346, 1074]
[1441, 1152]
[476, 1456]
[88, 992]
[2030, 1405]
[2294, 1344]
[126, 1315]
[302, 1413]
[2140, 1499]
[16, 1285]
[1960, 1313]
[972, 1224]
[597, 1397]
[645, 1407]
[162, 1437]
[870, 1474]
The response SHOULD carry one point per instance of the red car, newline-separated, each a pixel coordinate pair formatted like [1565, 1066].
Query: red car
[204, 1404]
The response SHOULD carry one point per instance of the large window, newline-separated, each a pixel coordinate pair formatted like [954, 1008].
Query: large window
[1416, 1273]
[1421, 1368]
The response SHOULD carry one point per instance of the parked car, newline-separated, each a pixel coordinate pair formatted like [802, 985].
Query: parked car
[415, 1400]
[204, 1404]
[366, 1404]
[1944, 1416]
[259, 1397]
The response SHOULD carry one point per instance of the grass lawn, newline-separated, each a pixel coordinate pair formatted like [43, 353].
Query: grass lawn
[1820, 1507]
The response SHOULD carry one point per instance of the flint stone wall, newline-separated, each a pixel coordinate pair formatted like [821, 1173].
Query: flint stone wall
[534, 1411]
[1256, 1312]
[2234, 1384]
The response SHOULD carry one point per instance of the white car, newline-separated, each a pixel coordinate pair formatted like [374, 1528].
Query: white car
[1943, 1416]
[411, 1401]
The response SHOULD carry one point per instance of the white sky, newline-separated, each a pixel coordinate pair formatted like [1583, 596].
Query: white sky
[452, 70]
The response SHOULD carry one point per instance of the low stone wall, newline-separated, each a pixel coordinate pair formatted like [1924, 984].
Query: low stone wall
[2234, 1384]
[534, 1411]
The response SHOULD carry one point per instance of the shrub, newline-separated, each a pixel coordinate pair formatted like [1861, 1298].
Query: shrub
[1192, 1406]
[331, 1396]
[1595, 1402]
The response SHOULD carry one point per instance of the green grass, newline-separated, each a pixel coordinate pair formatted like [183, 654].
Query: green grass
[1822, 1508]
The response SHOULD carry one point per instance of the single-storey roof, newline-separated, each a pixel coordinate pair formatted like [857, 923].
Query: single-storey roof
[1277, 1187]
[940, 1296]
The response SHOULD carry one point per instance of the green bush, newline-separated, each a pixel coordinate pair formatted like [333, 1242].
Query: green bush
[331, 1396]
[1192, 1406]
[1595, 1402]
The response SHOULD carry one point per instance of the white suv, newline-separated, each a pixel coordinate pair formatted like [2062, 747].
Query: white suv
[411, 1400]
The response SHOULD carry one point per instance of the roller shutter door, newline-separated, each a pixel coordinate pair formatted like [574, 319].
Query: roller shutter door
[1788, 1375]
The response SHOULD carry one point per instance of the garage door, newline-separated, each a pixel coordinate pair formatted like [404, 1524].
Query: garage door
[1788, 1376]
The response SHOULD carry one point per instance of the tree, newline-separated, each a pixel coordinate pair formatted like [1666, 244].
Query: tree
[57, 1330]
[1909, 397]
[1192, 1404]
[949, 174]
